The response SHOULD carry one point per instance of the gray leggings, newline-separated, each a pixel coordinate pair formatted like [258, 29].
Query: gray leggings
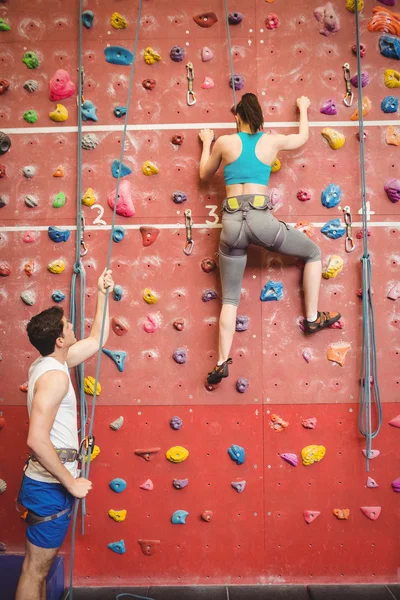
[252, 223]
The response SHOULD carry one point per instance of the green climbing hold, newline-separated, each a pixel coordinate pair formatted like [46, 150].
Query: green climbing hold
[59, 200]
[4, 26]
[31, 60]
[30, 116]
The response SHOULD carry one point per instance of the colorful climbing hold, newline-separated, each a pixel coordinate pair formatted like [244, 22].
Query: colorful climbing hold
[290, 458]
[177, 139]
[117, 485]
[125, 206]
[305, 227]
[57, 296]
[179, 517]
[151, 324]
[277, 423]
[335, 138]
[390, 104]
[120, 111]
[180, 356]
[118, 21]
[4, 26]
[2, 171]
[327, 18]
[117, 515]
[331, 195]
[4, 85]
[310, 423]
[179, 484]
[395, 422]
[147, 454]
[31, 85]
[389, 47]
[366, 107]
[362, 50]
[364, 79]
[87, 19]
[394, 292]
[5, 143]
[151, 56]
[88, 110]
[149, 547]
[150, 296]
[56, 266]
[177, 53]
[61, 86]
[179, 324]
[57, 235]
[391, 78]
[333, 229]
[393, 136]
[3, 486]
[371, 512]
[149, 235]
[272, 21]
[31, 201]
[372, 453]
[237, 454]
[237, 81]
[335, 265]
[242, 323]
[179, 197]
[60, 114]
[28, 297]
[341, 513]
[118, 55]
[371, 483]
[392, 189]
[31, 60]
[234, 18]
[29, 268]
[149, 84]
[59, 172]
[208, 265]
[147, 485]
[118, 169]
[239, 485]
[209, 295]
[88, 386]
[351, 5]
[311, 515]
[89, 198]
[337, 352]
[177, 454]
[149, 168]
[206, 20]
[118, 547]
[117, 424]
[30, 116]
[242, 385]
[384, 20]
[206, 54]
[329, 107]
[176, 423]
[208, 83]
[118, 233]
[303, 195]
[272, 290]
[28, 237]
[118, 327]
[207, 515]
[90, 141]
[118, 292]
[396, 485]
[59, 200]
[118, 356]
[312, 454]
[276, 165]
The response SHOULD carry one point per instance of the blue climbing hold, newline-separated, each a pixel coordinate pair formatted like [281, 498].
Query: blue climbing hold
[333, 229]
[87, 18]
[390, 104]
[120, 111]
[89, 111]
[118, 547]
[118, 168]
[237, 454]
[331, 195]
[179, 517]
[118, 356]
[118, 55]
[58, 235]
[118, 293]
[117, 485]
[57, 296]
[389, 46]
[118, 233]
[272, 290]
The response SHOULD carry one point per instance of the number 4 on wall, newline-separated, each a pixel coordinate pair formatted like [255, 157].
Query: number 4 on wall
[369, 212]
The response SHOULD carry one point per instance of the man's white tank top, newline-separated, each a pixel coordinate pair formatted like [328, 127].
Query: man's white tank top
[64, 433]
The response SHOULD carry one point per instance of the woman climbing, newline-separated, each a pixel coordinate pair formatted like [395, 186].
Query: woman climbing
[247, 157]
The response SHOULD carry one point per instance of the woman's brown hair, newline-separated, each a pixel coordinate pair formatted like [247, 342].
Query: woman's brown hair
[250, 111]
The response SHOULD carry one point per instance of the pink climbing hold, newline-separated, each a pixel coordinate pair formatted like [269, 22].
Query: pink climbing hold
[290, 458]
[274, 196]
[206, 54]
[372, 454]
[28, 238]
[303, 195]
[151, 324]
[147, 485]
[327, 18]
[307, 355]
[371, 483]
[309, 423]
[372, 512]
[395, 422]
[61, 86]
[272, 21]
[311, 515]
[125, 206]
[208, 83]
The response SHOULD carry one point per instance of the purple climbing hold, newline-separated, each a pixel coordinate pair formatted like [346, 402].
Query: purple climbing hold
[242, 323]
[242, 384]
[209, 295]
[179, 197]
[392, 189]
[176, 423]
[396, 485]
[180, 356]
[238, 82]
[364, 79]
[292, 459]
[329, 107]
[177, 54]
[235, 18]
[239, 485]
[179, 484]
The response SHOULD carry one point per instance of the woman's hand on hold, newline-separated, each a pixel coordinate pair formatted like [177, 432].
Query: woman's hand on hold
[303, 103]
[105, 282]
[207, 136]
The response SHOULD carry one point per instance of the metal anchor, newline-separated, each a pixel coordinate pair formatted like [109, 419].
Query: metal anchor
[188, 249]
[349, 243]
[348, 99]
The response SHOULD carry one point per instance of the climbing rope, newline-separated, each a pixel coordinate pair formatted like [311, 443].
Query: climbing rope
[228, 33]
[369, 371]
[79, 270]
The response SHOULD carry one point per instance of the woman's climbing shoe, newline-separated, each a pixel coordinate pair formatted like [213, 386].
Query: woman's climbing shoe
[219, 372]
[324, 319]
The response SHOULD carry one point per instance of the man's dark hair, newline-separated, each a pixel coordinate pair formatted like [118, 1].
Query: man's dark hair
[43, 329]
[250, 111]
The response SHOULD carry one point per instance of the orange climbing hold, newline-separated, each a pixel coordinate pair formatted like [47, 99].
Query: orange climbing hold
[366, 107]
[28, 267]
[306, 227]
[59, 172]
[118, 327]
[384, 20]
[149, 235]
[337, 352]
[277, 423]
[341, 513]
[392, 136]
[24, 387]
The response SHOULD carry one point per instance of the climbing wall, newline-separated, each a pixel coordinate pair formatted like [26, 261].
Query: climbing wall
[258, 535]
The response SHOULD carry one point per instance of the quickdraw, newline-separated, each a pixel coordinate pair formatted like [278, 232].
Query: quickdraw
[84, 248]
[191, 98]
[349, 243]
[188, 249]
[348, 99]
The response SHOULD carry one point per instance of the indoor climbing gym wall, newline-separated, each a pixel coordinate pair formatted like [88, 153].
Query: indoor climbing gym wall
[265, 478]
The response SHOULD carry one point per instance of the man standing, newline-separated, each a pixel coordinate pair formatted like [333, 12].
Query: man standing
[51, 480]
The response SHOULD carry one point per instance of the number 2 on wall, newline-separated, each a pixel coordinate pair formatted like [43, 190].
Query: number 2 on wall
[98, 220]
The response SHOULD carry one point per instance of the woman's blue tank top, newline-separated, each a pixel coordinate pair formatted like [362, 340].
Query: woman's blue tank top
[247, 168]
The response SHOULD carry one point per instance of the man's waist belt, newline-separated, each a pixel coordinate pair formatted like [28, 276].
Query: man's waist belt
[66, 455]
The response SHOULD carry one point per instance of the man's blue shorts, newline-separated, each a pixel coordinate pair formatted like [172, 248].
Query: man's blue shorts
[45, 499]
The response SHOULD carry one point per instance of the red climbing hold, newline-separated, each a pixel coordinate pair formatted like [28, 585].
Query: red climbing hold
[146, 454]
[2, 420]
[149, 235]
[118, 327]
[24, 387]
[5, 270]
[28, 238]
[395, 422]
[372, 512]
[208, 265]
[125, 206]
[207, 19]
[149, 546]
[2, 171]
[311, 515]
[177, 139]
[179, 324]
[147, 485]
[207, 515]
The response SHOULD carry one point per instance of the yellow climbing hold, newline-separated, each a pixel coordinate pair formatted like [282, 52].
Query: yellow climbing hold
[60, 114]
[335, 138]
[118, 21]
[89, 198]
[150, 296]
[276, 165]
[335, 265]
[88, 386]
[392, 78]
[95, 452]
[117, 515]
[351, 5]
[177, 454]
[56, 267]
[312, 454]
[151, 56]
[149, 168]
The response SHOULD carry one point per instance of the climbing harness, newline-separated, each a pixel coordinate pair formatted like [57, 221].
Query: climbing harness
[190, 97]
[348, 99]
[349, 243]
[188, 249]
[369, 386]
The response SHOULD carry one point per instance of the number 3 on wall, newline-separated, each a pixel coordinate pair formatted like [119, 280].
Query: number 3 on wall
[98, 220]
[212, 213]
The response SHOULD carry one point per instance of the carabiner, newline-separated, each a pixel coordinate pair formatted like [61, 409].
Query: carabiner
[84, 248]
[349, 243]
[188, 249]
[190, 96]
[348, 99]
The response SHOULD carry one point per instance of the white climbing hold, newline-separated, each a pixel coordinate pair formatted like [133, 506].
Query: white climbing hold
[117, 424]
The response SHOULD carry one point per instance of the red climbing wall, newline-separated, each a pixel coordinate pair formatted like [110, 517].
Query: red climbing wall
[260, 535]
